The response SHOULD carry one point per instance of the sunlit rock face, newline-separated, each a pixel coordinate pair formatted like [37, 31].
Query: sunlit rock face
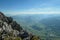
[11, 30]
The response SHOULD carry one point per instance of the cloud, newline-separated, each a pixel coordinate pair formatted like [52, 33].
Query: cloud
[46, 10]
[39, 12]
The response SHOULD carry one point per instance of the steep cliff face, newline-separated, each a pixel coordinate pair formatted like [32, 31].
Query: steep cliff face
[11, 30]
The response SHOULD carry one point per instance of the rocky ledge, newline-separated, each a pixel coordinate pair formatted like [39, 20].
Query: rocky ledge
[11, 30]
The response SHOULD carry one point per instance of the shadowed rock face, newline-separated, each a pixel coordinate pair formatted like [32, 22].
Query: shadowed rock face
[11, 29]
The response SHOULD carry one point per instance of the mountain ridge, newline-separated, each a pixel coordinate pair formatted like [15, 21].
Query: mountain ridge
[11, 30]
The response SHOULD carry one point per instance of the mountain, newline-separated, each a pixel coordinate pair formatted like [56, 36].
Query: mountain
[45, 25]
[11, 30]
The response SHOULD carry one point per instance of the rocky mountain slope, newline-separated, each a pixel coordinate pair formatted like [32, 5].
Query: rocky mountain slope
[11, 30]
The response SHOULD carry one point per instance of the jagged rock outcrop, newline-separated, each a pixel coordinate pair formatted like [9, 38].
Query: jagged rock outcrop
[11, 30]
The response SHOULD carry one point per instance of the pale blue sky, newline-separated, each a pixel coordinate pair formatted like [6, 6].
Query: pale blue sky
[30, 6]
